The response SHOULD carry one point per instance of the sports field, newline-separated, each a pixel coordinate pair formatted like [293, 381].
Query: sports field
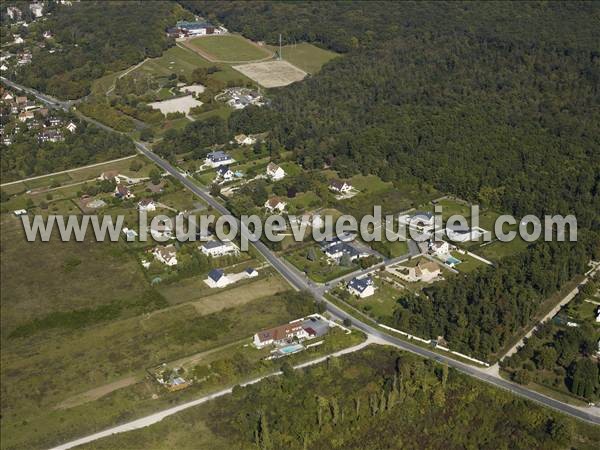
[229, 48]
[307, 57]
[272, 74]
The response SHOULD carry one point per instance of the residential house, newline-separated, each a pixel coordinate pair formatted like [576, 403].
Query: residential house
[3, 67]
[146, 204]
[8, 97]
[218, 158]
[161, 231]
[224, 173]
[335, 249]
[166, 254]
[24, 116]
[340, 187]
[216, 248]
[275, 204]
[361, 287]
[18, 39]
[275, 172]
[422, 219]
[439, 248]
[37, 9]
[425, 271]
[49, 136]
[242, 139]
[71, 127]
[280, 335]
[47, 34]
[21, 101]
[14, 13]
[251, 272]
[217, 279]
[123, 192]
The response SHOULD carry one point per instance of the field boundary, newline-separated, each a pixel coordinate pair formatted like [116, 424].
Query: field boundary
[24, 180]
[211, 58]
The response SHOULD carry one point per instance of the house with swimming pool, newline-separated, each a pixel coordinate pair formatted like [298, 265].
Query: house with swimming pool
[292, 333]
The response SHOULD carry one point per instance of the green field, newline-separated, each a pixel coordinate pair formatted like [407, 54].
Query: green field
[232, 48]
[307, 57]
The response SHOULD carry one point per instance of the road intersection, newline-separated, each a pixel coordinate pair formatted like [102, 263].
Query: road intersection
[300, 282]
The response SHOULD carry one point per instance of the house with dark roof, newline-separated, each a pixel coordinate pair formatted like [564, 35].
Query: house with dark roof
[123, 192]
[218, 158]
[361, 287]
[339, 186]
[224, 173]
[217, 279]
[422, 218]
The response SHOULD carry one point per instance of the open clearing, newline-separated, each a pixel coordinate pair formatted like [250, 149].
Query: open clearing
[179, 104]
[229, 48]
[307, 57]
[272, 74]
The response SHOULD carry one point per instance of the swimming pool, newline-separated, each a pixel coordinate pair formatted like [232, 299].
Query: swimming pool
[291, 348]
[452, 261]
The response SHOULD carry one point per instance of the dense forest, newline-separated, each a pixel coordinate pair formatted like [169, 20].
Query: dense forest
[96, 38]
[493, 102]
[375, 399]
[481, 312]
[28, 157]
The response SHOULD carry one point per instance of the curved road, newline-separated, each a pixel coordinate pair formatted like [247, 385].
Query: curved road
[591, 415]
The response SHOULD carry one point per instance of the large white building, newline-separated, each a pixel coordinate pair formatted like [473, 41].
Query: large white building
[218, 248]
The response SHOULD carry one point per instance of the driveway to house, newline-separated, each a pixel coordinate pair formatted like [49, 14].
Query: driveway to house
[157, 417]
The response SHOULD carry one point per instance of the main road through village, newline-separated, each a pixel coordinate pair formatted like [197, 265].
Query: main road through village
[490, 375]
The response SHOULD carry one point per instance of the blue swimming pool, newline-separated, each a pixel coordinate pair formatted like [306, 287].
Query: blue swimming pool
[452, 261]
[291, 348]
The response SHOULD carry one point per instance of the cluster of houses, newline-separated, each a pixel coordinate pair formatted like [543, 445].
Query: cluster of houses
[240, 98]
[25, 114]
[37, 10]
[335, 249]
[185, 29]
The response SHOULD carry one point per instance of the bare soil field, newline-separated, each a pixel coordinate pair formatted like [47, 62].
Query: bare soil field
[272, 74]
[179, 104]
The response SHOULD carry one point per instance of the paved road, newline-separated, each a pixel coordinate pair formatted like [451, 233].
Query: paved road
[591, 415]
[588, 414]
